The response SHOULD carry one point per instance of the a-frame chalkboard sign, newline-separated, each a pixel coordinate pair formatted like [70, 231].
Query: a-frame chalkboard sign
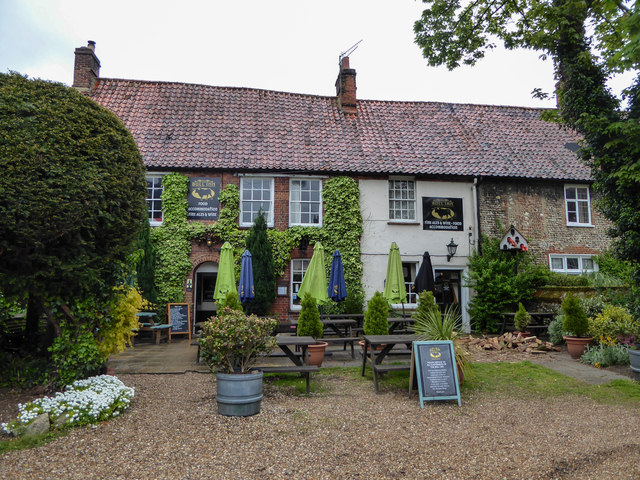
[434, 364]
[179, 318]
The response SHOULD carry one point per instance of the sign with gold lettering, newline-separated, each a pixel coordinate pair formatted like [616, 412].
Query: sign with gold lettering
[436, 371]
[203, 198]
[442, 214]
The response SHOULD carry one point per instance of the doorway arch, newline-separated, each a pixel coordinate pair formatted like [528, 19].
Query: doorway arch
[204, 306]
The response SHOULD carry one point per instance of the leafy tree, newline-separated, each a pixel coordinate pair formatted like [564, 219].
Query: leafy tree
[588, 42]
[73, 194]
[263, 269]
[500, 280]
[146, 265]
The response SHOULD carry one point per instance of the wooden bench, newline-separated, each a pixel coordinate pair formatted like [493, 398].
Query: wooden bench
[344, 341]
[157, 332]
[303, 370]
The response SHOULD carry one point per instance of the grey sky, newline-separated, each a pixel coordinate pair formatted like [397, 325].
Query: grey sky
[283, 45]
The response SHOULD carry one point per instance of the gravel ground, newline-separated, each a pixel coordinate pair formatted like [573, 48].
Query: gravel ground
[345, 431]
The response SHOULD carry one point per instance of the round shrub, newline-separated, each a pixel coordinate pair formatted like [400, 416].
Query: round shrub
[309, 323]
[614, 325]
[521, 318]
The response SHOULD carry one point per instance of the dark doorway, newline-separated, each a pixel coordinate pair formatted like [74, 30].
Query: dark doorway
[205, 288]
[448, 288]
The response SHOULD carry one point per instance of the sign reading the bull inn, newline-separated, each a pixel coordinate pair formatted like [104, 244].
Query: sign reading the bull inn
[442, 213]
[203, 198]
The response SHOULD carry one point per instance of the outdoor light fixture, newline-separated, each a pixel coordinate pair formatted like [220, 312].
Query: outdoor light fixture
[451, 248]
[208, 239]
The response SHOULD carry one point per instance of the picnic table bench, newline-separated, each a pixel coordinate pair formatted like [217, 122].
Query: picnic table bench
[539, 322]
[157, 330]
[303, 370]
[387, 342]
[299, 359]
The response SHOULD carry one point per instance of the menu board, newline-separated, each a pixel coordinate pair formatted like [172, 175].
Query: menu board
[179, 318]
[436, 371]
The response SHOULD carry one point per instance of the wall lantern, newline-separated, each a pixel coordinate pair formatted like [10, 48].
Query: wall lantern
[451, 248]
[208, 239]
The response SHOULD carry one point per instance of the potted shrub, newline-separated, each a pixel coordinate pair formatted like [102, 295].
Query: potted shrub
[310, 325]
[576, 324]
[430, 324]
[376, 317]
[230, 343]
[521, 320]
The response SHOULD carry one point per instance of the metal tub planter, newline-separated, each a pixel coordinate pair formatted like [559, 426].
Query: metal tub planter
[239, 395]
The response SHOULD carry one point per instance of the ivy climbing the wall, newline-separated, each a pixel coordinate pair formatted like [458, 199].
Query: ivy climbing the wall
[172, 240]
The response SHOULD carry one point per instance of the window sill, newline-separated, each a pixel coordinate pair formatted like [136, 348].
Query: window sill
[400, 222]
[581, 225]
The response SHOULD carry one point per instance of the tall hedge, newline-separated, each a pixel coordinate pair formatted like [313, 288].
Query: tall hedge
[263, 269]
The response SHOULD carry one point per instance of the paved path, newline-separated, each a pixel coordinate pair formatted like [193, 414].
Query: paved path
[180, 356]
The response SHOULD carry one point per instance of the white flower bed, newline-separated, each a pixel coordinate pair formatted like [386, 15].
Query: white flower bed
[85, 401]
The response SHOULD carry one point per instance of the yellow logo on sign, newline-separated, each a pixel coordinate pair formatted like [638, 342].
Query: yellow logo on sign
[443, 213]
[435, 352]
[203, 193]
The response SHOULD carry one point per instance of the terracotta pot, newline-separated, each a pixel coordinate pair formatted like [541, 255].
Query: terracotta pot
[577, 345]
[378, 348]
[316, 353]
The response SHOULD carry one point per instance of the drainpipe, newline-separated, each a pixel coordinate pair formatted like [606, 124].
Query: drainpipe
[476, 203]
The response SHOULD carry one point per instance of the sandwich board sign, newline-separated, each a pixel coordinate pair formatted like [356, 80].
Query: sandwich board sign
[436, 371]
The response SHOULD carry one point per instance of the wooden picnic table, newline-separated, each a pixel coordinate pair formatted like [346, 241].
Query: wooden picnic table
[300, 362]
[539, 321]
[387, 342]
[396, 323]
[157, 330]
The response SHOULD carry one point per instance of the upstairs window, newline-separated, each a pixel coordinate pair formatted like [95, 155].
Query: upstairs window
[578, 204]
[305, 202]
[572, 264]
[154, 202]
[402, 200]
[256, 193]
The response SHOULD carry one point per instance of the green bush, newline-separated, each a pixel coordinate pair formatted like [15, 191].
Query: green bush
[375, 318]
[74, 357]
[574, 320]
[556, 279]
[605, 355]
[309, 323]
[593, 305]
[426, 304]
[117, 330]
[521, 318]
[555, 331]
[614, 325]
[230, 300]
[500, 280]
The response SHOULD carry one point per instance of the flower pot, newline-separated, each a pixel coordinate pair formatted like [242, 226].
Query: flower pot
[577, 345]
[316, 353]
[634, 357]
[378, 347]
[239, 394]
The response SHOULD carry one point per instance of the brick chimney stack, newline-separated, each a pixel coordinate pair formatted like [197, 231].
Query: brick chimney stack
[86, 69]
[346, 88]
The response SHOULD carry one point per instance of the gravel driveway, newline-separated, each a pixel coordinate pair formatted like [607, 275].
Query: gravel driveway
[346, 431]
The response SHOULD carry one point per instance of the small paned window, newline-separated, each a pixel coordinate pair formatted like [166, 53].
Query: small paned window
[572, 264]
[402, 200]
[578, 204]
[154, 202]
[256, 194]
[305, 202]
[298, 269]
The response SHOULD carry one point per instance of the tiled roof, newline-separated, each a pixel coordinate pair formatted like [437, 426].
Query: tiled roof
[184, 126]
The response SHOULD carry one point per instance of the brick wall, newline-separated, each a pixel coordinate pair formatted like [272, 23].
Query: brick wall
[537, 210]
[86, 68]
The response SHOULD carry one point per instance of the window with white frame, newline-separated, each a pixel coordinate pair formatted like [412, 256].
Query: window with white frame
[298, 269]
[154, 202]
[305, 202]
[409, 273]
[578, 205]
[256, 193]
[402, 200]
[572, 264]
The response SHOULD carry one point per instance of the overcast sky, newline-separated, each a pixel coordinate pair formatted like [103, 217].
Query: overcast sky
[283, 45]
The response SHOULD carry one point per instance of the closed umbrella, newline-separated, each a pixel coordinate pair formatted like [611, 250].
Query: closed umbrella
[337, 287]
[394, 288]
[424, 278]
[314, 281]
[246, 288]
[226, 280]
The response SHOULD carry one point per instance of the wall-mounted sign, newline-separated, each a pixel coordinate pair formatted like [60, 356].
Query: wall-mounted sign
[203, 198]
[442, 213]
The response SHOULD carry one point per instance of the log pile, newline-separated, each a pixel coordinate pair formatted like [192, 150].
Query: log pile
[509, 341]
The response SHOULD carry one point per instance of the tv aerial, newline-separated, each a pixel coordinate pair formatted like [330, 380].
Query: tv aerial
[348, 52]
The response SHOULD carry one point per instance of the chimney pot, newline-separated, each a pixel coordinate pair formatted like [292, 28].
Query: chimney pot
[92, 45]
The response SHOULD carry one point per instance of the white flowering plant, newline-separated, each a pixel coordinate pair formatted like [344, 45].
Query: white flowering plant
[86, 401]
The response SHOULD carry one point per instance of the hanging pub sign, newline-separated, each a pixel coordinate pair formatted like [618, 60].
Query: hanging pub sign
[203, 198]
[442, 214]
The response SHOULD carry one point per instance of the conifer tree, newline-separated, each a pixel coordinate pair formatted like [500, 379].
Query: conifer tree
[263, 268]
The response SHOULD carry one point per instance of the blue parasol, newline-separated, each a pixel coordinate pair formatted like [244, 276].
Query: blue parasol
[246, 290]
[337, 288]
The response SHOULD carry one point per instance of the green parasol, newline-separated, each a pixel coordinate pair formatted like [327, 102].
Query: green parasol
[314, 281]
[226, 280]
[394, 288]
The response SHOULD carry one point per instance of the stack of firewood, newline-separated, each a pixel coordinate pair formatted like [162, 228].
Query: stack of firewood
[510, 341]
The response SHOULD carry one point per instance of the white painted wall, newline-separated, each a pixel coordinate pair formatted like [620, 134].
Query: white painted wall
[412, 240]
